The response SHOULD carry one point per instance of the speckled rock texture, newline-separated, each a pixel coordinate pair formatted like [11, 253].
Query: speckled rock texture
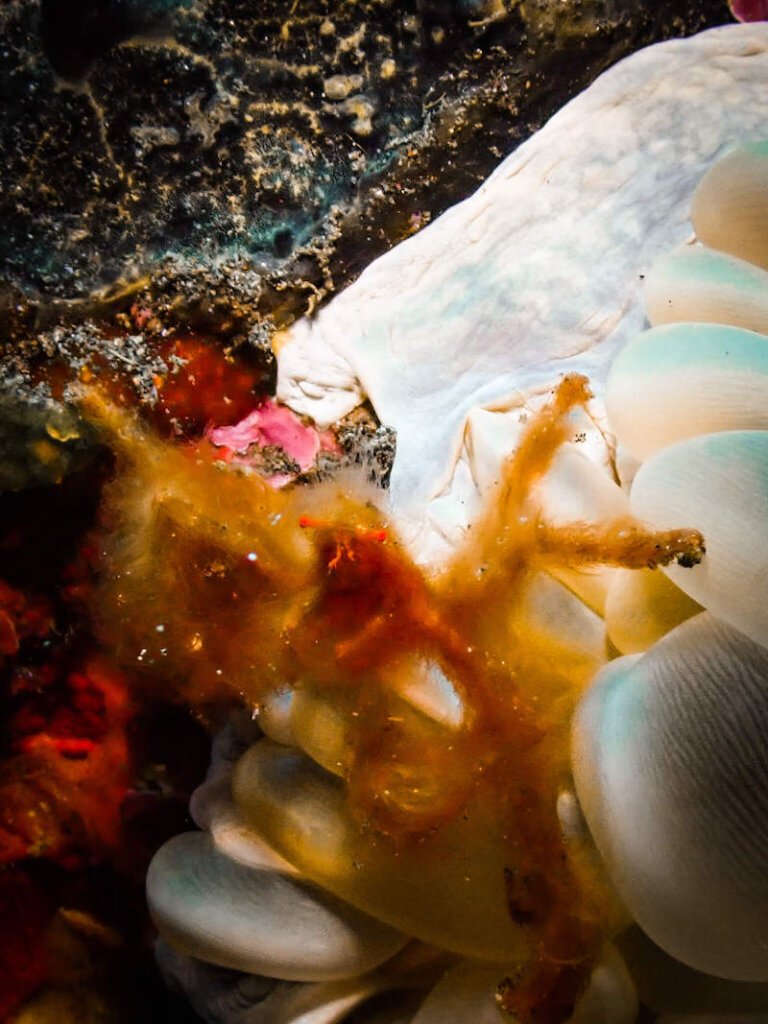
[247, 159]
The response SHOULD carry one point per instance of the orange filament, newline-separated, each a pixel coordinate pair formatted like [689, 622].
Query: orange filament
[215, 579]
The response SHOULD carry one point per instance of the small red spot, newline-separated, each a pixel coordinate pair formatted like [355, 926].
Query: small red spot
[205, 386]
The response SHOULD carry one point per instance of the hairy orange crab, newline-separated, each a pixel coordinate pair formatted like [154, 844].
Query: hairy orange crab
[214, 580]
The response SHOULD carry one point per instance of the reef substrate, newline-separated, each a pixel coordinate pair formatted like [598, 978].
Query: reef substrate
[248, 164]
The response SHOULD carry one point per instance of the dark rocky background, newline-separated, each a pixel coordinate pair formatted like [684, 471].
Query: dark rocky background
[238, 160]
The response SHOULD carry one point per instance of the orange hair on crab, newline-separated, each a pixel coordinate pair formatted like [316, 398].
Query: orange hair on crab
[214, 580]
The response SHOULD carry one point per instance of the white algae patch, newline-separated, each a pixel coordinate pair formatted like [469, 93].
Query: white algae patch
[537, 274]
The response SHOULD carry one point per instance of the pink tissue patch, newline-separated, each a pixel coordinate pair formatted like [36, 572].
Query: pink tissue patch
[749, 10]
[274, 425]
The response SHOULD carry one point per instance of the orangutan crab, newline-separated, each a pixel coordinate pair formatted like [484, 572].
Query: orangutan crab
[215, 579]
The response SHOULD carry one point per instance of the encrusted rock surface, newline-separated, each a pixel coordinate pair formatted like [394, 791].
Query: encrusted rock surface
[232, 161]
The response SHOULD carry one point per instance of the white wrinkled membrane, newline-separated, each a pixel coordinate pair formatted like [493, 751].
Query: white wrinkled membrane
[537, 274]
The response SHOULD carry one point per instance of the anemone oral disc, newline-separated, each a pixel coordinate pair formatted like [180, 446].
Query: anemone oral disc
[695, 283]
[718, 483]
[671, 772]
[258, 920]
